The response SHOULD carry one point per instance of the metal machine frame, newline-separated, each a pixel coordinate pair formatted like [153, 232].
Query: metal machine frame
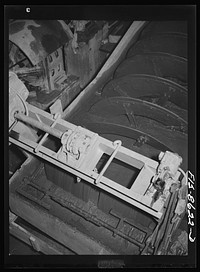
[84, 166]
[79, 153]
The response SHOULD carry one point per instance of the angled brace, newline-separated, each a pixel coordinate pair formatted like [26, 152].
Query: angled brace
[46, 134]
[117, 145]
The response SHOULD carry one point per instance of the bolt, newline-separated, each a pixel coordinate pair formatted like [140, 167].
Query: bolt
[78, 179]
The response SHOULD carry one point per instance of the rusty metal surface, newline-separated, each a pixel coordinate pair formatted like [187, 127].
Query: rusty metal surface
[175, 44]
[159, 64]
[141, 86]
[132, 107]
[36, 38]
[43, 100]
[87, 59]
[16, 56]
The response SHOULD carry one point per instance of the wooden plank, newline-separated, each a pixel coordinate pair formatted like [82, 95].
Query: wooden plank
[55, 228]
[38, 244]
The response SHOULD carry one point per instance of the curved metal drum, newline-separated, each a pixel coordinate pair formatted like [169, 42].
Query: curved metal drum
[145, 134]
[175, 44]
[158, 27]
[141, 86]
[142, 126]
[158, 64]
[116, 106]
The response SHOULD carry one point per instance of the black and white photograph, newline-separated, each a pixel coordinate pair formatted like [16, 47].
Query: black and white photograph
[100, 136]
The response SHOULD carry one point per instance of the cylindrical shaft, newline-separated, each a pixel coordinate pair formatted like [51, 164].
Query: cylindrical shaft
[39, 125]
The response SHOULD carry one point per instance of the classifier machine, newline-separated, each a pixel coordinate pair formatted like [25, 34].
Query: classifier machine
[103, 175]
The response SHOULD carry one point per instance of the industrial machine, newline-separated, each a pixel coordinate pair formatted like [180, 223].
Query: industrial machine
[97, 135]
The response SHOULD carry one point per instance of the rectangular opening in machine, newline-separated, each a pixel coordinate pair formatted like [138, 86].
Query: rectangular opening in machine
[118, 171]
[52, 143]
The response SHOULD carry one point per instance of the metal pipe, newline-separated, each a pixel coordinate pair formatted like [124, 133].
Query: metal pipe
[39, 125]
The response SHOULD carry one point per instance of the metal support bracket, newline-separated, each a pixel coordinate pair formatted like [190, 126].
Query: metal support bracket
[57, 116]
[117, 145]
